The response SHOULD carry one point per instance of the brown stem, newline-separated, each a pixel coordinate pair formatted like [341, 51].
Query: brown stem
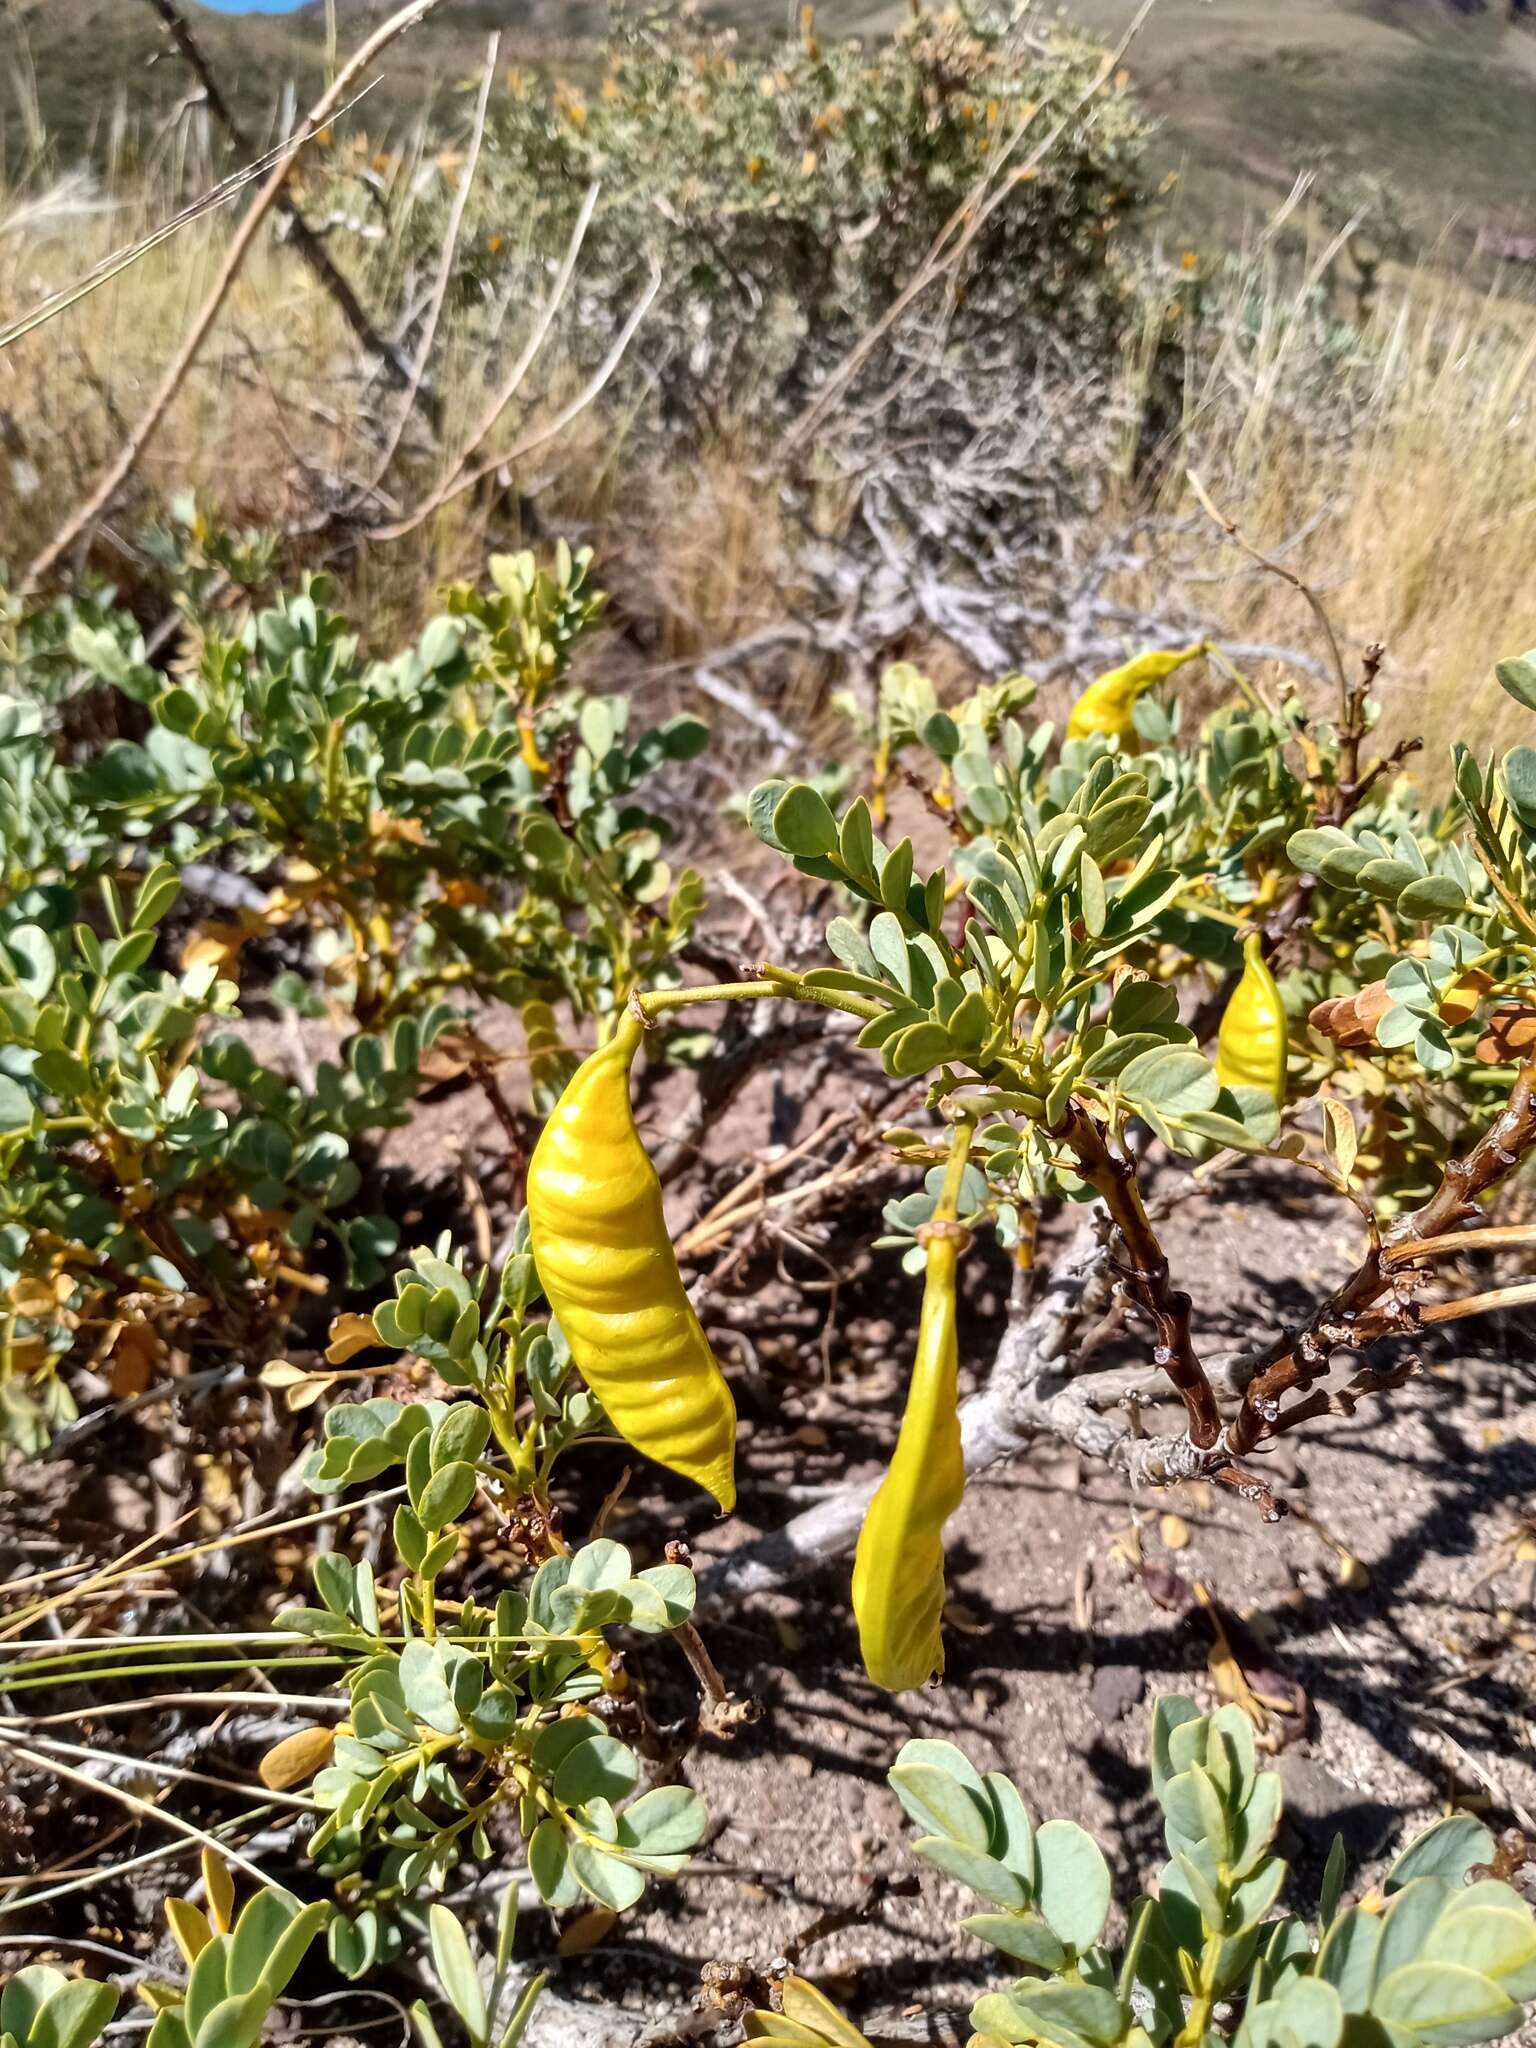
[1342, 1400]
[1113, 1176]
[721, 1713]
[713, 1687]
[1300, 1357]
[1248, 1486]
[1352, 732]
[506, 1116]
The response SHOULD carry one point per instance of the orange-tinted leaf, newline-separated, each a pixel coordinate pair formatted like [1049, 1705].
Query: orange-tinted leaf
[586, 1930]
[349, 1335]
[295, 1759]
[133, 1358]
[1510, 1035]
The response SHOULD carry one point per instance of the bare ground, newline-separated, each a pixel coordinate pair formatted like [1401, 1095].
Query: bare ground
[1419, 1676]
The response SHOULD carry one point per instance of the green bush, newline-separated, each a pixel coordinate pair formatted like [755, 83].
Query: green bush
[431, 833]
[787, 191]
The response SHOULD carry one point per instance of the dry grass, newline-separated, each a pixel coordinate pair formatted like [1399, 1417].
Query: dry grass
[1404, 454]
[1403, 457]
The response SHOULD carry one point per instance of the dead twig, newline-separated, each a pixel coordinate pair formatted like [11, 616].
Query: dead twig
[454, 480]
[444, 276]
[1234, 534]
[302, 235]
[100, 499]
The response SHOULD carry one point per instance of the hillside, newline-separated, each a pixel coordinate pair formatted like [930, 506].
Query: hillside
[1438, 102]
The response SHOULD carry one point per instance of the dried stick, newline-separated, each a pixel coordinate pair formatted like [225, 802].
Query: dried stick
[303, 236]
[452, 477]
[463, 480]
[444, 276]
[1230, 528]
[1492, 1237]
[100, 499]
[1517, 1296]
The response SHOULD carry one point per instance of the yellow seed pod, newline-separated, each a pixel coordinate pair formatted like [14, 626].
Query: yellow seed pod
[1250, 1048]
[606, 1263]
[898, 1570]
[1106, 705]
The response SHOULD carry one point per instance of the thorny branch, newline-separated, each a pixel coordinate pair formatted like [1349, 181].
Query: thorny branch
[1148, 1279]
[1377, 1300]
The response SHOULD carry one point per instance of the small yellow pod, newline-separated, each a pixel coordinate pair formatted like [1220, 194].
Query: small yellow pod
[898, 1570]
[607, 1267]
[1106, 705]
[1250, 1047]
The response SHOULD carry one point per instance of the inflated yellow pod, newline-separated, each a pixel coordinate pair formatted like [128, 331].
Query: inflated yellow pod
[1107, 704]
[1250, 1047]
[606, 1264]
[898, 1570]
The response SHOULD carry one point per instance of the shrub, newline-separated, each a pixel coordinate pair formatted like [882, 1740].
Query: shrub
[448, 828]
[787, 191]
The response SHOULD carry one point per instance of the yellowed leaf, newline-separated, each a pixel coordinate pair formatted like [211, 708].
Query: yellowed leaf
[30, 1297]
[585, 1931]
[133, 1358]
[221, 1890]
[811, 2008]
[1174, 1531]
[349, 1335]
[216, 942]
[278, 1373]
[1351, 1573]
[189, 1928]
[1340, 1141]
[295, 1759]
